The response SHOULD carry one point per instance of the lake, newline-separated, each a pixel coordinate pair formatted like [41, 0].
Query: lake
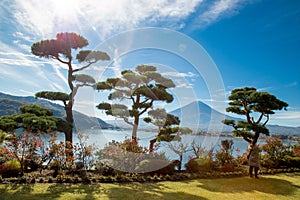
[100, 137]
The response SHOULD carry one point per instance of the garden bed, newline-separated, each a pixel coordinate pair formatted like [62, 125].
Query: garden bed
[92, 178]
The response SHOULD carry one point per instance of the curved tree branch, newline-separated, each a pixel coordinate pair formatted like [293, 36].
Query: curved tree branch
[260, 118]
[267, 116]
[62, 61]
[84, 67]
[127, 121]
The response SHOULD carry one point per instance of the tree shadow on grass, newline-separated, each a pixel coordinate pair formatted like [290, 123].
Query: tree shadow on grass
[15, 190]
[54, 191]
[238, 185]
[87, 191]
[92, 192]
[152, 191]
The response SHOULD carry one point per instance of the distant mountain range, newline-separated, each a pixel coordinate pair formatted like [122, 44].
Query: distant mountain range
[10, 104]
[197, 115]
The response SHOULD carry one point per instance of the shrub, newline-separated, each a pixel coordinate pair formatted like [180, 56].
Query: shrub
[23, 180]
[59, 178]
[122, 156]
[57, 152]
[5, 154]
[196, 165]
[32, 180]
[192, 166]
[84, 153]
[104, 169]
[25, 148]
[132, 146]
[94, 180]
[10, 168]
[224, 154]
[200, 151]
[242, 159]
[296, 149]
[67, 179]
[76, 179]
[50, 180]
[290, 162]
[157, 166]
[228, 167]
[179, 148]
[274, 152]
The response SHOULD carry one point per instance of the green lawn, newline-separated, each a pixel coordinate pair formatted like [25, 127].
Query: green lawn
[282, 186]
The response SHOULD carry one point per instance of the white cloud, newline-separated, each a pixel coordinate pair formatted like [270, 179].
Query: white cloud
[264, 89]
[24, 37]
[43, 19]
[46, 18]
[57, 78]
[218, 10]
[13, 56]
[184, 85]
[286, 118]
[178, 74]
[22, 70]
[24, 92]
[16, 62]
[22, 46]
[290, 115]
[295, 83]
[179, 8]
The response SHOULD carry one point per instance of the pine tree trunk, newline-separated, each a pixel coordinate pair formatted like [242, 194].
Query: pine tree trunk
[135, 128]
[180, 159]
[70, 119]
[68, 136]
[256, 136]
[69, 114]
[69, 132]
[151, 147]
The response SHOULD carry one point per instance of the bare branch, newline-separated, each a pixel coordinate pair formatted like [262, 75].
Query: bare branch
[62, 61]
[260, 118]
[127, 121]
[247, 113]
[147, 99]
[267, 116]
[143, 111]
[84, 67]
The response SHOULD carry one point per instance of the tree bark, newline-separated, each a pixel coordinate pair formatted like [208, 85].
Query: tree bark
[68, 136]
[180, 159]
[69, 132]
[256, 136]
[69, 107]
[135, 127]
[69, 113]
[151, 147]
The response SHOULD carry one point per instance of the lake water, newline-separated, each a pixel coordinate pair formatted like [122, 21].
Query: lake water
[101, 137]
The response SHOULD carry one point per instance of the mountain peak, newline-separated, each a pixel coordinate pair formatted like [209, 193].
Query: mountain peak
[201, 117]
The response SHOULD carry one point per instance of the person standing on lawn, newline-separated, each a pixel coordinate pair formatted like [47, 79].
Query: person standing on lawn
[254, 160]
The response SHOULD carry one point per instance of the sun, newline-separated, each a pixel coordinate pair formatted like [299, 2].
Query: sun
[65, 8]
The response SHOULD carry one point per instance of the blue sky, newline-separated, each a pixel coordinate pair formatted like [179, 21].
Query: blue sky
[252, 43]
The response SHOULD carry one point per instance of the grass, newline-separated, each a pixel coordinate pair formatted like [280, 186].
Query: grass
[275, 187]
